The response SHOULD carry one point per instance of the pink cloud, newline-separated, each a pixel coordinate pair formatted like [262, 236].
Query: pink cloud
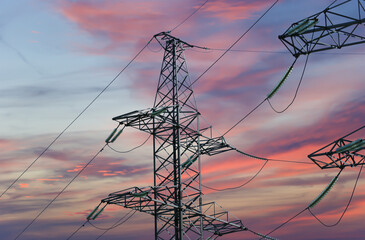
[23, 185]
[234, 10]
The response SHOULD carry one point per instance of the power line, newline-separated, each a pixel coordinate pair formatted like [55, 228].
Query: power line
[208, 49]
[242, 185]
[287, 221]
[317, 200]
[347, 206]
[248, 114]
[82, 225]
[77, 117]
[130, 150]
[272, 93]
[115, 224]
[44, 209]
[296, 91]
[196, 10]
[118, 223]
[219, 58]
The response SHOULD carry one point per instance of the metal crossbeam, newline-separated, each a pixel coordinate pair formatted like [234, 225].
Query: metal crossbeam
[335, 27]
[341, 153]
[215, 219]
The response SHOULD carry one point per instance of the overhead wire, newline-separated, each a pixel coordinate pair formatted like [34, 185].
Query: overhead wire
[296, 91]
[187, 18]
[77, 117]
[77, 230]
[287, 221]
[247, 115]
[347, 206]
[209, 49]
[308, 207]
[244, 34]
[130, 150]
[54, 199]
[270, 95]
[242, 185]
[257, 173]
[121, 221]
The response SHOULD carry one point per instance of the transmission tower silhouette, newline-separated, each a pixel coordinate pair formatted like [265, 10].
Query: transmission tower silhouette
[175, 199]
[332, 28]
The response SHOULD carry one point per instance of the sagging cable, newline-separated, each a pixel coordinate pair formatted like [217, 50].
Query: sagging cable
[278, 86]
[324, 192]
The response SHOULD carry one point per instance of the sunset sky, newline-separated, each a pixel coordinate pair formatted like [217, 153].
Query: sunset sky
[56, 56]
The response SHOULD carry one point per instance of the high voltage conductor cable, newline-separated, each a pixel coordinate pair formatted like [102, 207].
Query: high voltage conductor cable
[130, 150]
[220, 57]
[77, 117]
[196, 10]
[242, 185]
[248, 114]
[296, 91]
[270, 159]
[287, 221]
[76, 231]
[263, 158]
[271, 94]
[208, 50]
[312, 204]
[54, 199]
[118, 223]
[347, 206]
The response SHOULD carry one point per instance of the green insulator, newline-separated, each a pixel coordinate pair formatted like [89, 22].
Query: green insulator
[307, 26]
[272, 93]
[298, 26]
[189, 161]
[117, 135]
[323, 193]
[92, 213]
[140, 194]
[355, 145]
[107, 140]
[158, 112]
[98, 213]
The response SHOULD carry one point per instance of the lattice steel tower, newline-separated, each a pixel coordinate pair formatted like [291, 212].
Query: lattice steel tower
[175, 199]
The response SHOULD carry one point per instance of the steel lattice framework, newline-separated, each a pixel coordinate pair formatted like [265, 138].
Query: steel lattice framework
[341, 153]
[335, 27]
[175, 199]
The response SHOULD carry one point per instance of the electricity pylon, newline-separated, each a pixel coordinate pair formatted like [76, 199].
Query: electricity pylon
[341, 153]
[175, 199]
[341, 24]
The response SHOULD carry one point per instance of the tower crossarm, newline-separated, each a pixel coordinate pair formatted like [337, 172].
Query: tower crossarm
[144, 120]
[215, 219]
[332, 28]
[340, 153]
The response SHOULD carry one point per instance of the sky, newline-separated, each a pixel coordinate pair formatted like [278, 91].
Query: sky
[58, 55]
